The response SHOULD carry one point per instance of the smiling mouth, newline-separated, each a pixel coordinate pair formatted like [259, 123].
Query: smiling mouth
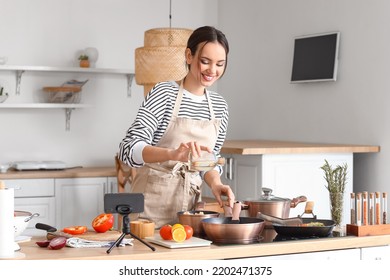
[207, 77]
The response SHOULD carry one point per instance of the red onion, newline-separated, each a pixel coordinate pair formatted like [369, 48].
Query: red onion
[43, 243]
[57, 243]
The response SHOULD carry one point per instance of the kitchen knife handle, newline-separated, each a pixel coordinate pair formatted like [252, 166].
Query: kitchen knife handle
[45, 227]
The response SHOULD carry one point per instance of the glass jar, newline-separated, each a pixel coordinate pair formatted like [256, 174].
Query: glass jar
[336, 207]
[207, 161]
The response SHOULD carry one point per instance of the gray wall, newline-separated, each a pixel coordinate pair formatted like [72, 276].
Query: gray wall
[352, 110]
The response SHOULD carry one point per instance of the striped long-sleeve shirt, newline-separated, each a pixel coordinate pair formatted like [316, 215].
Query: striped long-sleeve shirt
[155, 113]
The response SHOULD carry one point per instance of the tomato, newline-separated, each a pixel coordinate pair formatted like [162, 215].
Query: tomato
[166, 232]
[189, 231]
[103, 222]
[75, 230]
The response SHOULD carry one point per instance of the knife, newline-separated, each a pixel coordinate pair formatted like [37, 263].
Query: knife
[52, 231]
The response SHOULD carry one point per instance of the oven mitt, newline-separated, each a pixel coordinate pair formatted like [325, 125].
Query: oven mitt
[76, 242]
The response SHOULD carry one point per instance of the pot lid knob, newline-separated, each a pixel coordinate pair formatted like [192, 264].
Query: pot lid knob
[267, 191]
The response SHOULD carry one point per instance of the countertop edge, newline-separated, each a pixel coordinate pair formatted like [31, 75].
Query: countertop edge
[258, 147]
[213, 252]
[78, 172]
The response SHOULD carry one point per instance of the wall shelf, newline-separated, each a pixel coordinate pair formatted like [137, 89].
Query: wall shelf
[19, 70]
[68, 108]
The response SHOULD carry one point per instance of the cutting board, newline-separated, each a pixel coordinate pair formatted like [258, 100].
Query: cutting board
[192, 242]
[92, 235]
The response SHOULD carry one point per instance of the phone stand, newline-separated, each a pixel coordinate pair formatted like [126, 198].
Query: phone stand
[125, 210]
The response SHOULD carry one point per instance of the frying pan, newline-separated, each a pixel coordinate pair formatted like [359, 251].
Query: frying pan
[224, 231]
[234, 229]
[306, 231]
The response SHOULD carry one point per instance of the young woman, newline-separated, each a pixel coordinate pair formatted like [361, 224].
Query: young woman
[176, 119]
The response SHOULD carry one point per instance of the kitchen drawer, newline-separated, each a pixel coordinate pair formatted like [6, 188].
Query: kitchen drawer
[44, 206]
[375, 253]
[31, 187]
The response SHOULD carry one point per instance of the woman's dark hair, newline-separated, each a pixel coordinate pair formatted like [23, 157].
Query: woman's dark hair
[207, 34]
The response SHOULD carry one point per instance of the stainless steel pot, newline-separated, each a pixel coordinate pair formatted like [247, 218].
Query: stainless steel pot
[272, 205]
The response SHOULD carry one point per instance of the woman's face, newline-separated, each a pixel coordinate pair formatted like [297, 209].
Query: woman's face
[208, 64]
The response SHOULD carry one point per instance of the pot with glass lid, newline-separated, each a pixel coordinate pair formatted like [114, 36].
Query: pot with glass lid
[272, 205]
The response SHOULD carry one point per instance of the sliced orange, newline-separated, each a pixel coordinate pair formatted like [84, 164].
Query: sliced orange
[175, 226]
[179, 234]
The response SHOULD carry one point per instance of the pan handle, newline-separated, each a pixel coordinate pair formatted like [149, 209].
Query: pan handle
[295, 201]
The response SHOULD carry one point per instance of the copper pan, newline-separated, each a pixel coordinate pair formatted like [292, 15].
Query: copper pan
[235, 229]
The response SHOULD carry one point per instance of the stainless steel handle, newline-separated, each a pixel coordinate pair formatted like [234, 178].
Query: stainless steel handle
[229, 169]
[111, 187]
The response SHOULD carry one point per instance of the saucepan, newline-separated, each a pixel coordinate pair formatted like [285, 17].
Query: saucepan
[193, 218]
[272, 205]
[234, 229]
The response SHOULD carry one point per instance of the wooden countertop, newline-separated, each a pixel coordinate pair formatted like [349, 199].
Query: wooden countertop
[78, 172]
[30, 251]
[259, 147]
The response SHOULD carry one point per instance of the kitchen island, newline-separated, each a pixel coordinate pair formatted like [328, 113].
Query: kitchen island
[323, 247]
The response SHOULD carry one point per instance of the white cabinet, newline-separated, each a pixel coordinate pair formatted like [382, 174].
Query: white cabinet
[347, 254]
[289, 176]
[35, 196]
[376, 253]
[242, 174]
[79, 200]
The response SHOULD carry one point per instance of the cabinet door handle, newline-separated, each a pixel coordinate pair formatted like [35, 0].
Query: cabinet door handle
[229, 169]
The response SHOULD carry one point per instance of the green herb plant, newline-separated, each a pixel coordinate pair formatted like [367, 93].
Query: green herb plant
[336, 179]
[83, 57]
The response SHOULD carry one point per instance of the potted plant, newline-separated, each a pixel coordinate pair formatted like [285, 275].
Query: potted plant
[84, 61]
[336, 179]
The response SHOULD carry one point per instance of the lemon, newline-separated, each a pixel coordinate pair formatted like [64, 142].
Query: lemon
[179, 234]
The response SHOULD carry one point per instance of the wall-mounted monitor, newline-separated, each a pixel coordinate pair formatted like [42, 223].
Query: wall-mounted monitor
[315, 57]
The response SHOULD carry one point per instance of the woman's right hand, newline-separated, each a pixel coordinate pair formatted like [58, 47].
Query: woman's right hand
[183, 152]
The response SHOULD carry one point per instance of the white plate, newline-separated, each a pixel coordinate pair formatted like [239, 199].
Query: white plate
[192, 242]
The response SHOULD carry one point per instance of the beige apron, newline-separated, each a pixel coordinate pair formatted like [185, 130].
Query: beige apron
[169, 187]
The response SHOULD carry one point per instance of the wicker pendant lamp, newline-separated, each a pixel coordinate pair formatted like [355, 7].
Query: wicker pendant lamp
[162, 58]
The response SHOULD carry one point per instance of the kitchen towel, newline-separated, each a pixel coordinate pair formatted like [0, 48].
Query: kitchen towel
[6, 222]
[76, 242]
